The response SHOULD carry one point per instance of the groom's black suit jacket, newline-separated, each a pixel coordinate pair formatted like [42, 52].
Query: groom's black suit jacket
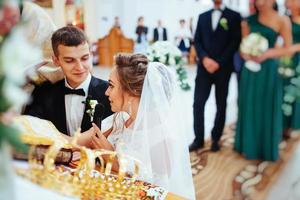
[48, 102]
[219, 44]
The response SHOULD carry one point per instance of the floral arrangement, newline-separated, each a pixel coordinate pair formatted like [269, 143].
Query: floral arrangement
[285, 68]
[12, 52]
[168, 54]
[292, 93]
[254, 45]
[15, 54]
[13, 48]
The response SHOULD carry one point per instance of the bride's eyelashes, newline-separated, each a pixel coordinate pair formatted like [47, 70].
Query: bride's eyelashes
[110, 85]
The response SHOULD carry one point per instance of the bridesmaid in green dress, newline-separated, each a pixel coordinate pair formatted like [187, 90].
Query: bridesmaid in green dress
[259, 125]
[293, 6]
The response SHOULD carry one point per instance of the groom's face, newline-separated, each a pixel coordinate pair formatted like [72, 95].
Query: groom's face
[75, 62]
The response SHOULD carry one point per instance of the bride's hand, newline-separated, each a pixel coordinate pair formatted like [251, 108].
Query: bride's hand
[85, 138]
[99, 141]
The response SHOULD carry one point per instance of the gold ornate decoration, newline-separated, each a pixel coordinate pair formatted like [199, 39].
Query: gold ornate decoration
[35, 131]
[84, 181]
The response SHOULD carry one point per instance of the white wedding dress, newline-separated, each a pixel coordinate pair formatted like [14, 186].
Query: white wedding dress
[157, 137]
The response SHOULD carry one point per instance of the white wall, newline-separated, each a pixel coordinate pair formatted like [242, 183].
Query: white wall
[170, 11]
[99, 14]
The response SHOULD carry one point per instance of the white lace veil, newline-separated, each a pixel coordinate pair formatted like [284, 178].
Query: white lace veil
[158, 137]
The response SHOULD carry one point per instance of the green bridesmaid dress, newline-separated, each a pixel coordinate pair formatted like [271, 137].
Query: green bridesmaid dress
[293, 121]
[259, 125]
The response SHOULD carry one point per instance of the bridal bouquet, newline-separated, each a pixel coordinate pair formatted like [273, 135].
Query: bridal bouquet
[254, 45]
[285, 68]
[170, 55]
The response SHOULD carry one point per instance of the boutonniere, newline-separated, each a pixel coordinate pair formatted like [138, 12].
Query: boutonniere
[90, 104]
[224, 23]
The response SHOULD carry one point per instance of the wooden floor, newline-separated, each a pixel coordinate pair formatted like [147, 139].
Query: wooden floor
[226, 175]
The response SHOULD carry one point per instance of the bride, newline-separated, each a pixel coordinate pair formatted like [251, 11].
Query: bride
[151, 129]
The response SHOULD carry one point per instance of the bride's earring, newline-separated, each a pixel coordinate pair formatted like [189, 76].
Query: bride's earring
[129, 108]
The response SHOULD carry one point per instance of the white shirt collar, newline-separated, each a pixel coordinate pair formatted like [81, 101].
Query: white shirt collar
[84, 85]
[222, 7]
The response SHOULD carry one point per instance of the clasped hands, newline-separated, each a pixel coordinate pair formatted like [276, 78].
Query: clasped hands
[94, 139]
[210, 65]
[258, 59]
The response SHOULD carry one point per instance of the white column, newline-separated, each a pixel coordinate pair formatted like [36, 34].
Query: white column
[90, 7]
[59, 12]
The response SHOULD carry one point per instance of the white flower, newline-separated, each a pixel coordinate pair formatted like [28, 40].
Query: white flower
[252, 66]
[93, 103]
[161, 50]
[162, 59]
[172, 61]
[281, 70]
[289, 72]
[254, 44]
[16, 53]
[14, 95]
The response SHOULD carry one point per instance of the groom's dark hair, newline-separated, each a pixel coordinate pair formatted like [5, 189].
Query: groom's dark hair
[67, 36]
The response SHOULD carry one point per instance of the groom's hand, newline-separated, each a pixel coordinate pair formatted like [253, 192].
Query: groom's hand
[210, 65]
[85, 138]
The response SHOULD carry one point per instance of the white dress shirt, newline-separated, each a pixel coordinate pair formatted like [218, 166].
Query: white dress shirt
[215, 17]
[75, 107]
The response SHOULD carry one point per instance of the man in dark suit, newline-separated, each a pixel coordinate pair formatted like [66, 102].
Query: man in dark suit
[217, 38]
[160, 32]
[62, 103]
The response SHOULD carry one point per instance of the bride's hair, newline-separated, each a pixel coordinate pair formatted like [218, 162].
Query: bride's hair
[131, 70]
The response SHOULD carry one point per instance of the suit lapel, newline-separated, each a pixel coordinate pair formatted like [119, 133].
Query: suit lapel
[60, 106]
[92, 94]
[209, 21]
[218, 24]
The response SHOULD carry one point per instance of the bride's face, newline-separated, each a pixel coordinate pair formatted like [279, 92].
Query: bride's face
[115, 94]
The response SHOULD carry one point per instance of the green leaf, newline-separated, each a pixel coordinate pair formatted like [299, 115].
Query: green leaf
[12, 136]
[4, 104]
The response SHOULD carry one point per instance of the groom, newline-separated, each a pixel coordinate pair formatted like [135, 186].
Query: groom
[217, 38]
[62, 103]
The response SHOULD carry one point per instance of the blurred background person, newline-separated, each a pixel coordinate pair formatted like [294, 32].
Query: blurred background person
[183, 38]
[217, 38]
[141, 32]
[117, 22]
[159, 32]
[259, 126]
[293, 122]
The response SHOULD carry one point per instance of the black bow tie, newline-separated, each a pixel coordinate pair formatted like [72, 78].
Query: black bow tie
[74, 91]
